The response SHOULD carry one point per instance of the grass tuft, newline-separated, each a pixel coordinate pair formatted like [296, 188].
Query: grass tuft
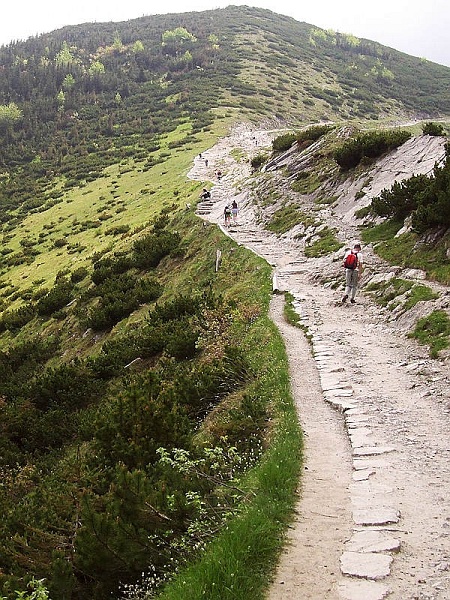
[433, 331]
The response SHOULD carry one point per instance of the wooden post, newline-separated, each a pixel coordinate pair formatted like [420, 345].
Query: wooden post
[218, 259]
[275, 287]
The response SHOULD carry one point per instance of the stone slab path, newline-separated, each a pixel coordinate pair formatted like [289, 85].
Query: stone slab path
[373, 519]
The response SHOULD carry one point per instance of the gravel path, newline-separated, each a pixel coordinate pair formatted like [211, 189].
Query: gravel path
[373, 519]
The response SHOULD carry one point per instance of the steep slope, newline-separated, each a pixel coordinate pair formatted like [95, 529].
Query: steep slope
[348, 195]
[82, 98]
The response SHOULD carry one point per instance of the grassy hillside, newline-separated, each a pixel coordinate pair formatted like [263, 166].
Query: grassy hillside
[76, 223]
[90, 394]
[81, 99]
[117, 336]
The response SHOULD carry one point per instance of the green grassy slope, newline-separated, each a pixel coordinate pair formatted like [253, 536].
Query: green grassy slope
[117, 337]
[80, 428]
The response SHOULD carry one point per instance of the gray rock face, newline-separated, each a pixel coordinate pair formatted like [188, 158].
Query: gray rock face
[373, 540]
[363, 590]
[366, 565]
[415, 157]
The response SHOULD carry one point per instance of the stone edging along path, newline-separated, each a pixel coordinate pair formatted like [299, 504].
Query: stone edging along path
[373, 518]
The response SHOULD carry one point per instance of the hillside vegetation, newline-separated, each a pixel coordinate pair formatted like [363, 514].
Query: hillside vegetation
[144, 399]
[318, 188]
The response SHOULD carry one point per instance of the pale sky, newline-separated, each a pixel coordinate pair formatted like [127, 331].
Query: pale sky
[417, 27]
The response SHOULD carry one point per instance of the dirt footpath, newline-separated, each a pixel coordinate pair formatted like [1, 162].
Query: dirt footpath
[310, 565]
[373, 518]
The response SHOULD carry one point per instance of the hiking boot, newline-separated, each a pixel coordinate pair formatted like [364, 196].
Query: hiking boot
[344, 299]
[352, 300]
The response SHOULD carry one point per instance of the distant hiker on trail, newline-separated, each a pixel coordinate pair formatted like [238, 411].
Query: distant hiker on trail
[353, 263]
[205, 194]
[219, 175]
[234, 211]
[227, 215]
[206, 162]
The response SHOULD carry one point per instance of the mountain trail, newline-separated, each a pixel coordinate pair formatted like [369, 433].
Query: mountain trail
[373, 515]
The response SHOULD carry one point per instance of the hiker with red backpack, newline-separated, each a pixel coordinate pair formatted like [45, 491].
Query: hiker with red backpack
[353, 263]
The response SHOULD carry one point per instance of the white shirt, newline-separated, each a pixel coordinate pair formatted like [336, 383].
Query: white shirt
[360, 257]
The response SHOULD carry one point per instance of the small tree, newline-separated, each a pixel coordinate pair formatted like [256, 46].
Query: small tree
[117, 44]
[64, 57]
[61, 99]
[138, 47]
[174, 39]
[69, 82]
[96, 68]
[9, 115]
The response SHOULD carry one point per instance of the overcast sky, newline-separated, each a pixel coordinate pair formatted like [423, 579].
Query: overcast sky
[417, 27]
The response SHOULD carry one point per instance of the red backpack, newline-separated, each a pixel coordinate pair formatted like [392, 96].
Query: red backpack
[351, 260]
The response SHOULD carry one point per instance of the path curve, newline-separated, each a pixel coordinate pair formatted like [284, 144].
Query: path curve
[373, 518]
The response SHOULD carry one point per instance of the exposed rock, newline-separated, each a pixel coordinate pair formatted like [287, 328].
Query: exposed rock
[376, 516]
[363, 590]
[407, 225]
[414, 274]
[373, 540]
[366, 566]
[363, 475]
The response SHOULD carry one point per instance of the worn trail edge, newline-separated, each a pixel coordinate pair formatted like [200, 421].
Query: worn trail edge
[373, 517]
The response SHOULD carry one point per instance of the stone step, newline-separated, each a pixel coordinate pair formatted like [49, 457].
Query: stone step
[367, 566]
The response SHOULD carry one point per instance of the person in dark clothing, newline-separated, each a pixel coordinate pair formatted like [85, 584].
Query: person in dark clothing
[227, 215]
[234, 211]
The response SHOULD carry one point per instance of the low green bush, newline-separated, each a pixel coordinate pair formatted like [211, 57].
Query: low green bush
[401, 199]
[283, 142]
[17, 318]
[68, 386]
[258, 161]
[368, 145]
[108, 267]
[434, 129]
[119, 296]
[19, 363]
[151, 249]
[78, 275]
[313, 133]
[58, 297]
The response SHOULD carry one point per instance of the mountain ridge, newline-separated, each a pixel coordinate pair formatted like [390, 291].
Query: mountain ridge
[67, 97]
